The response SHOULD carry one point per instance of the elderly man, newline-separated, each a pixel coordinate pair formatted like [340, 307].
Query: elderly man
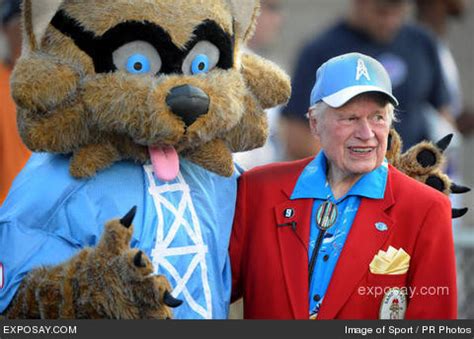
[344, 234]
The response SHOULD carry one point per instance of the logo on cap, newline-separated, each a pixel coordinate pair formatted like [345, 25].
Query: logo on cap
[362, 70]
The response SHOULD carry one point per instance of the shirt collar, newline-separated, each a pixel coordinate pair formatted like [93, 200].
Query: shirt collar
[312, 182]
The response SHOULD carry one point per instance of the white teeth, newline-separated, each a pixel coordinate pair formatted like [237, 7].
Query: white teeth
[361, 150]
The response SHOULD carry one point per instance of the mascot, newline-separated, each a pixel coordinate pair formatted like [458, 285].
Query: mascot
[137, 103]
[137, 106]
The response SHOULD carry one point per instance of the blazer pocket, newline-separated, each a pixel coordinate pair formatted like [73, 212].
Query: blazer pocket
[390, 280]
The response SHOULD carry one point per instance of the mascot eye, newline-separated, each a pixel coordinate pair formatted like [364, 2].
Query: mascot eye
[201, 59]
[200, 64]
[137, 57]
[138, 64]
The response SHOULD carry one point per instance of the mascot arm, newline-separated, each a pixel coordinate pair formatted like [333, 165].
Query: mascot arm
[108, 281]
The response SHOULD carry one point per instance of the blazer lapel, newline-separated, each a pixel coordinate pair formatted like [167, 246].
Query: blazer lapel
[292, 223]
[362, 243]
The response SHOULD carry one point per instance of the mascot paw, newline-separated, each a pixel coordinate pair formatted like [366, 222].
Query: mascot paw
[110, 281]
[425, 157]
[35, 84]
[423, 162]
[135, 292]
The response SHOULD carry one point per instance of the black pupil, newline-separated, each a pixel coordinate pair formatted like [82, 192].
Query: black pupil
[138, 66]
[201, 66]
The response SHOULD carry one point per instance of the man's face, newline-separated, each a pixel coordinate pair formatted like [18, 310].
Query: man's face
[382, 18]
[354, 136]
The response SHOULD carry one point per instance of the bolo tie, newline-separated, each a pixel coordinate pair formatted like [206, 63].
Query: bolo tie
[326, 217]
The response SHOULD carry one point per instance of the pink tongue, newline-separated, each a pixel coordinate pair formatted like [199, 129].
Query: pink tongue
[165, 162]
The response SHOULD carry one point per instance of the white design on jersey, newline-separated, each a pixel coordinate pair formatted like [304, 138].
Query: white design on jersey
[197, 249]
[362, 70]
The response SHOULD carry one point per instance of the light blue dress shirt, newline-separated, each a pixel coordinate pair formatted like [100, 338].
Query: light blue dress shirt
[313, 184]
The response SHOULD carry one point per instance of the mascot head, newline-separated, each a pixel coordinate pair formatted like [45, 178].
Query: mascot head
[143, 80]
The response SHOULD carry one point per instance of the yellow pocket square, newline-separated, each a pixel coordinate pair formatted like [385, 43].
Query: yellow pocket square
[392, 261]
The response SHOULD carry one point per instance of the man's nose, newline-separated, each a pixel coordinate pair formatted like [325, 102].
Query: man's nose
[188, 102]
[364, 130]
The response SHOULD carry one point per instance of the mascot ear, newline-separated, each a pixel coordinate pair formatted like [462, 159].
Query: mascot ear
[36, 17]
[245, 13]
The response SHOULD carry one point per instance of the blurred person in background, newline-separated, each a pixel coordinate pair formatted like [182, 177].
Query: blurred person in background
[435, 16]
[13, 153]
[376, 28]
[268, 27]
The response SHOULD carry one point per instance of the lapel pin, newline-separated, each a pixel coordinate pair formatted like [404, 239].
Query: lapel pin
[288, 213]
[381, 226]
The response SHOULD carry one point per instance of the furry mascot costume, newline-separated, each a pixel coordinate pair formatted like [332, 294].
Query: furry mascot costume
[137, 103]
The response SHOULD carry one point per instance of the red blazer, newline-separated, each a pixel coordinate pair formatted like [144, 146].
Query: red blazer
[270, 262]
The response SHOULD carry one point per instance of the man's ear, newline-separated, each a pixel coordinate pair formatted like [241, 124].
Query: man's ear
[245, 13]
[37, 15]
[313, 124]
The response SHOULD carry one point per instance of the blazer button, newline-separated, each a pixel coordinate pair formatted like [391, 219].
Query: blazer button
[316, 297]
[326, 257]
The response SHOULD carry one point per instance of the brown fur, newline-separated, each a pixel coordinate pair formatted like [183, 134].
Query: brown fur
[65, 107]
[394, 150]
[103, 282]
[266, 80]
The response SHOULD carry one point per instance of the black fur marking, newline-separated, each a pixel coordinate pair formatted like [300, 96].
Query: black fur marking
[435, 182]
[100, 48]
[138, 260]
[389, 142]
[426, 158]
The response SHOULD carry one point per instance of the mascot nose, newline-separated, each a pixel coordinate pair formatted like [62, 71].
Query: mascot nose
[188, 102]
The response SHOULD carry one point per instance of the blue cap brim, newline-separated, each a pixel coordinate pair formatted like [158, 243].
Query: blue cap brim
[338, 99]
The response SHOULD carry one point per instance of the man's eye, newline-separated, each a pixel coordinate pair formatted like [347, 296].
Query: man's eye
[137, 57]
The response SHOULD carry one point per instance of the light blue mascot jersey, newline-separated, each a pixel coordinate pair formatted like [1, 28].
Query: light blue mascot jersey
[183, 225]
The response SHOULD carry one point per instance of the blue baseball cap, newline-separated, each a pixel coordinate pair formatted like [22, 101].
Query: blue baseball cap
[342, 78]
